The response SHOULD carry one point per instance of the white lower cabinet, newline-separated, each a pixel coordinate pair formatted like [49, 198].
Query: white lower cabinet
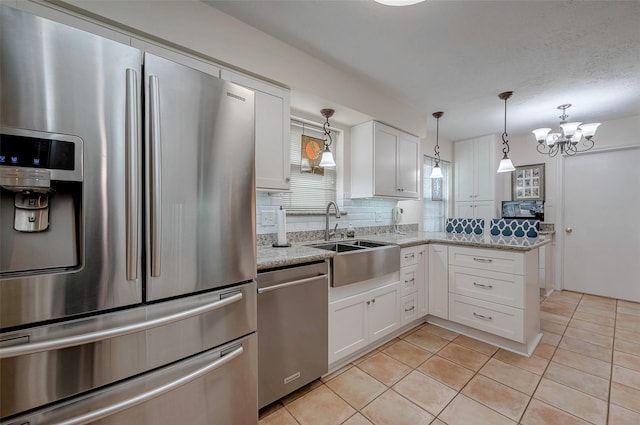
[497, 319]
[413, 279]
[438, 281]
[358, 320]
[409, 308]
[495, 291]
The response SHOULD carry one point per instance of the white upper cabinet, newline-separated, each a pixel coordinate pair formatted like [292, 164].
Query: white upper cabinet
[273, 110]
[474, 166]
[384, 162]
[476, 181]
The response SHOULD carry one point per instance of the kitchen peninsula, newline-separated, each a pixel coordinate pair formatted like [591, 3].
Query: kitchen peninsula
[482, 286]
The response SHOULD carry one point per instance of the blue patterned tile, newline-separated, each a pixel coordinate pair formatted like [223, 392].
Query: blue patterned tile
[465, 225]
[514, 227]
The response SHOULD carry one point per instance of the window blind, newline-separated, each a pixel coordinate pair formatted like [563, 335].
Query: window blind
[308, 192]
[435, 211]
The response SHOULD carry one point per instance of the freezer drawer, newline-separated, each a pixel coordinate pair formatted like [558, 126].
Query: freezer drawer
[217, 387]
[66, 359]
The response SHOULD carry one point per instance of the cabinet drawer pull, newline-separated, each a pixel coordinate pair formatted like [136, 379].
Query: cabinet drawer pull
[368, 302]
[480, 316]
[480, 285]
[406, 257]
[410, 309]
[410, 280]
[483, 260]
[373, 301]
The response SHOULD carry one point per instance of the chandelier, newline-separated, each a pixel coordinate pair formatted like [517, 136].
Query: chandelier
[574, 137]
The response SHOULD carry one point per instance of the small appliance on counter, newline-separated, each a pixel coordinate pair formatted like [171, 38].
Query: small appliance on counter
[523, 209]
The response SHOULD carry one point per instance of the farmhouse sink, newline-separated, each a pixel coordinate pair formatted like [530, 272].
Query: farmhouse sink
[357, 260]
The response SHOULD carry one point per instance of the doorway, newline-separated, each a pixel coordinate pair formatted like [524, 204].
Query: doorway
[601, 249]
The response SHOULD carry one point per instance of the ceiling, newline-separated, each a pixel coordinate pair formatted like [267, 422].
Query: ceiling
[457, 55]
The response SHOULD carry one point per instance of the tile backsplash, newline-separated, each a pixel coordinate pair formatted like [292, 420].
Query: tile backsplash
[366, 215]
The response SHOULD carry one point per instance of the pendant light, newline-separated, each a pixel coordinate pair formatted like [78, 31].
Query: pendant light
[436, 171]
[327, 160]
[505, 163]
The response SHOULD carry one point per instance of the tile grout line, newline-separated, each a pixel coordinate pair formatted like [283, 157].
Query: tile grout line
[550, 360]
[613, 349]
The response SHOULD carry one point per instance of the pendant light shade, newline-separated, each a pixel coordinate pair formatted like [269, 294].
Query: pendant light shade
[327, 158]
[436, 171]
[505, 164]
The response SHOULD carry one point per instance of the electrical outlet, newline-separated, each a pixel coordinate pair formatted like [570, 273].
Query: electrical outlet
[268, 218]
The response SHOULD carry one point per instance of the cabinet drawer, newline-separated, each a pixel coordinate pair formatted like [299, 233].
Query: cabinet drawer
[487, 259]
[502, 288]
[497, 319]
[409, 256]
[409, 279]
[409, 305]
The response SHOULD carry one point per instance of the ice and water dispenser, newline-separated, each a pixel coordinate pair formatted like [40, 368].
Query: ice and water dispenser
[41, 201]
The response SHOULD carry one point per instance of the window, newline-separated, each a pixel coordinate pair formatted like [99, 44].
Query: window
[435, 196]
[309, 192]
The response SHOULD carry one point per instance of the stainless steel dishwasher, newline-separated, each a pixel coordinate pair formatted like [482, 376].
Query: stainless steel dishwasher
[292, 329]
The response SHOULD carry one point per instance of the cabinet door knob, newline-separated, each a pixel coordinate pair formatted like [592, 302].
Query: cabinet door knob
[368, 302]
[568, 230]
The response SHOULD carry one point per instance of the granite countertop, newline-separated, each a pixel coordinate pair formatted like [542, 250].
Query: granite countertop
[269, 257]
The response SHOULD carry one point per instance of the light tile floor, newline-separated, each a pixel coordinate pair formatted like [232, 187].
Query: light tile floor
[586, 370]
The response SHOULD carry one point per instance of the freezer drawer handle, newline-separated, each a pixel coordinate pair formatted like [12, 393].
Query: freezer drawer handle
[156, 392]
[86, 338]
[292, 283]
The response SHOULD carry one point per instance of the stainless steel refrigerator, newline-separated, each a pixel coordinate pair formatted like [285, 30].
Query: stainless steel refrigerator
[127, 235]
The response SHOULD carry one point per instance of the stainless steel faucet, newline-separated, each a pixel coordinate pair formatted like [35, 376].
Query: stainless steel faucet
[327, 234]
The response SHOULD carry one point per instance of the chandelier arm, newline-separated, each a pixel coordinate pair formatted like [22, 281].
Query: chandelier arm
[588, 144]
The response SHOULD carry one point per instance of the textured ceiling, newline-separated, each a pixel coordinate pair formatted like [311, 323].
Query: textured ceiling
[456, 55]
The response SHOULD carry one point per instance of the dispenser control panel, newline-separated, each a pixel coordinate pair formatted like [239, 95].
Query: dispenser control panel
[21, 151]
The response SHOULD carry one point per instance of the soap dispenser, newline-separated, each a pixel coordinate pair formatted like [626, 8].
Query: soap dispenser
[351, 232]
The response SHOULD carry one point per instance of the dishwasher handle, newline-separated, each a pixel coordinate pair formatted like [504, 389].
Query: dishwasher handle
[292, 283]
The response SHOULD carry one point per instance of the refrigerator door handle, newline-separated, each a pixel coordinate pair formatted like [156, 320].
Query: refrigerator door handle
[89, 337]
[156, 392]
[156, 175]
[132, 184]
